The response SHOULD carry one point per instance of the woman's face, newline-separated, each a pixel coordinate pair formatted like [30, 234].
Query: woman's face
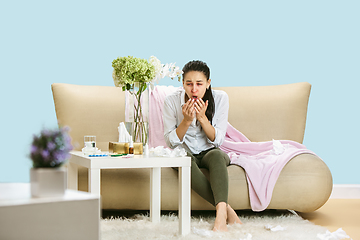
[195, 84]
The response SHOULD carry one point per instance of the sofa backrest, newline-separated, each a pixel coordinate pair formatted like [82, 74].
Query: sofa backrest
[264, 113]
[261, 113]
[89, 110]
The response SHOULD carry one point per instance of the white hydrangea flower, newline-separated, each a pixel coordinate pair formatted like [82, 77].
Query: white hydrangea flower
[158, 68]
[157, 64]
[116, 81]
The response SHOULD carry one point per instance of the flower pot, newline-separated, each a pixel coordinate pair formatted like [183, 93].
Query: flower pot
[48, 182]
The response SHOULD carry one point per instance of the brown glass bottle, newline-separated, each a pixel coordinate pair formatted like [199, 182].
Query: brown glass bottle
[131, 147]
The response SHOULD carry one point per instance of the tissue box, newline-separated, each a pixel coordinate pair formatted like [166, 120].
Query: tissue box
[121, 148]
[118, 147]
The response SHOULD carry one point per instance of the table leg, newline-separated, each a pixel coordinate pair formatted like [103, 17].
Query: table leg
[72, 178]
[184, 200]
[94, 181]
[155, 194]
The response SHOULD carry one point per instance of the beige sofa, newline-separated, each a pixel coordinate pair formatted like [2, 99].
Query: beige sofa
[261, 113]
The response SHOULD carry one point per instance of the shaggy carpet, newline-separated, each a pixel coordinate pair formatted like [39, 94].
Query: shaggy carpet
[277, 226]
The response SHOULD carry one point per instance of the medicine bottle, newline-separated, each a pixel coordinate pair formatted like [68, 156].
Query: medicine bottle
[131, 146]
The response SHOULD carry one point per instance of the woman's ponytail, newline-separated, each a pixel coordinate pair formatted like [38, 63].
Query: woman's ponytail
[211, 104]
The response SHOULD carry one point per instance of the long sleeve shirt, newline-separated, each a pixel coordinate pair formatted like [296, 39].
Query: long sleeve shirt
[195, 139]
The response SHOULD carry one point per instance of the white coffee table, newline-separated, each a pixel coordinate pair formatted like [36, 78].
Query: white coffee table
[94, 164]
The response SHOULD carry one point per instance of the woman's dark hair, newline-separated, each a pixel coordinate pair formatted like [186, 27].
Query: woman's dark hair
[200, 66]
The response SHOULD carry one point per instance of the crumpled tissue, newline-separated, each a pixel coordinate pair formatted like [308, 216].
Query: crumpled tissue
[278, 148]
[124, 136]
[161, 151]
[274, 229]
[337, 235]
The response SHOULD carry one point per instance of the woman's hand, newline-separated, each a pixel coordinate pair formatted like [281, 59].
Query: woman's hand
[200, 109]
[188, 110]
[191, 109]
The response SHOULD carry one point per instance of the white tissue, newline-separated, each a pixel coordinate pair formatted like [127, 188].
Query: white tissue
[160, 151]
[278, 148]
[274, 229]
[337, 235]
[124, 136]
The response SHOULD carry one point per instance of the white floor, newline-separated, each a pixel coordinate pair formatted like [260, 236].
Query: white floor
[346, 191]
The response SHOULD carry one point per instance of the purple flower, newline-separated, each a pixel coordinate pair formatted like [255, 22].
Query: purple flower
[45, 154]
[34, 149]
[60, 155]
[46, 133]
[51, 148]
[65, 129]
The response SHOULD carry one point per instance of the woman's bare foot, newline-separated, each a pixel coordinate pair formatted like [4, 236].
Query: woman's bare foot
[221, 216]
[232, 217]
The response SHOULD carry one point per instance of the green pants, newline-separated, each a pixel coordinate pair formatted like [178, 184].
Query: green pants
[216, 190]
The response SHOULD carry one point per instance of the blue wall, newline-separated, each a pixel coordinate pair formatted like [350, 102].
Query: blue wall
[246, 43]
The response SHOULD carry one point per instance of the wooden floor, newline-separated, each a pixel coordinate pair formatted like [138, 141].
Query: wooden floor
[338, 213]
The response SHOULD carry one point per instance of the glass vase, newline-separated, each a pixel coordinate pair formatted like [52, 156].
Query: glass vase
[137, 112]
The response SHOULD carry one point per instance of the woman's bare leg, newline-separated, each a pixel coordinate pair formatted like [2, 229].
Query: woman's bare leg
[221, 217]
[232, 217]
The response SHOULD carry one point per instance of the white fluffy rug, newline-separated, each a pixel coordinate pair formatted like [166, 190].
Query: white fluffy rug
[254, 227]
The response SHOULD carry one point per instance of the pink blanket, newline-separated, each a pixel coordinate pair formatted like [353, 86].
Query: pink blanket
[262, 161]
[156, 104]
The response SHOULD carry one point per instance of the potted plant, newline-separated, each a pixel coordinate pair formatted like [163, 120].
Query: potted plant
[49, 151]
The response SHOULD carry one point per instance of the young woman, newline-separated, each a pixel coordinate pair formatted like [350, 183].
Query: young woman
[196, 117]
